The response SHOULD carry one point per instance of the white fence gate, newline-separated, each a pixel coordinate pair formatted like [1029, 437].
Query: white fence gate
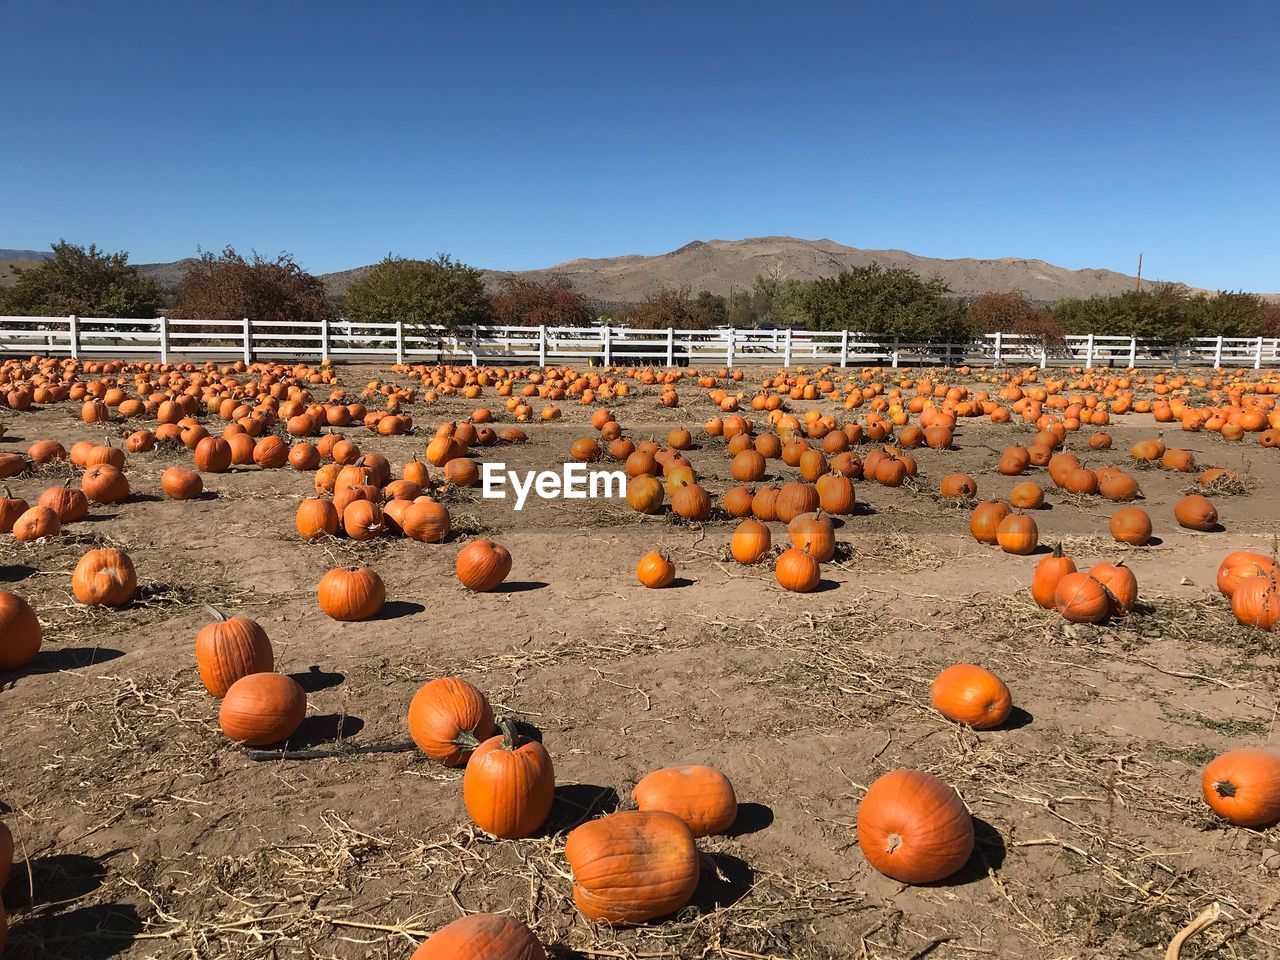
[165, 338]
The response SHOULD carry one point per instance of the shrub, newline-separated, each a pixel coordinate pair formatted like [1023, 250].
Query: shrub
[228, 287]
[541, 303]
[82, 281]
[421, 292]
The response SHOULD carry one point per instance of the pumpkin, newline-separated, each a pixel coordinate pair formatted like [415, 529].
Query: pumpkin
[701, 796]
[750, 541]
[1027, 495]
[46, 451]
[633, 866]
[1018, 534]
[20, 633]
[1116, 485]
[230, 648]
[179, 483]
[645, 494]
[1196, 513]
[262, 708]
[1256, 601]
[36, 523]
[748, 466]
[213, 455]
[351, 593]
[737, 502]
[814, 534]
[1048, 573]
[1239, 565]
[1119, 582]
[691, 501]
[104, 578]
[985, 520]
[1081, 599]
[462, 472]
[67, 502]
[11, 508]
[795, 498]
[482, 565]
[104, 483]
[914, 828]
[316, 518]
[1131, 525]
[426, 521]
[972, 695]
[764, 505]
[362, 520]
[271, 453]
[796, 571]
[958, 486]
[835, 493]
[509, 785]
[448, 719]
[1243, 787]
[655, 570]
[482, 936]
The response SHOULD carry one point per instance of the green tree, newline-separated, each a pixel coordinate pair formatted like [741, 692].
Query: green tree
[709, 310]
[442, 291]
[772, 301]
[898, 302]
[1165, 311]
[82, 281]
[228, 287]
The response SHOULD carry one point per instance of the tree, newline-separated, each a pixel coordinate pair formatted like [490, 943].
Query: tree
[228, 287]
[81, 281]
[709, 310]
[898, 302]
[421, 292]
[1013, 313]
[1166, 311]
[772, 301]
[541, 303]
[673, 308]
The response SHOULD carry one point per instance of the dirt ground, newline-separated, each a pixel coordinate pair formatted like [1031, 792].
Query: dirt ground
[147, 834]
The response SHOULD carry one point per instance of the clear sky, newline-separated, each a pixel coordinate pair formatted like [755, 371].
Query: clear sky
[520, 135]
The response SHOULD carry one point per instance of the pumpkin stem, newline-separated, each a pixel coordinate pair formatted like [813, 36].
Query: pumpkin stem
[510, 735]
[892, 843]
[1057, 550]
[217, 614]
[466, 739]
[1224, 788]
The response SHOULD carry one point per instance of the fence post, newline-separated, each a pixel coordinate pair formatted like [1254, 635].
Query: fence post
[1088, 353]
[475, 361]
[895, 357]
[1044, 354]
[164, 339]
[73, 328]
[671, 347]
[728, 349]
[542, 345]
[1257, 356]
[399, 341]
[844, 347]
[606, 335]
[248, 342]
[786, 348]
[324, 339]
[999, 358]
[1133, 352]
[1176, 350]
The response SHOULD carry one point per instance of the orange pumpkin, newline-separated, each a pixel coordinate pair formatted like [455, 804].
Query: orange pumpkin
[1018, 534]
[448, 719]
[426, 521]
[1119, 582]
[351, 593]
[1243, 787]
[230, 648]
[509, 785]
[482, 565]
[1081, 599]
[482, 936]
[1196, 513]
[181, 484]
[262, 708]
[1048, 573]
[972, 695]
[36, 523]
[796, 571]
[750, 541]
[1131, 525]
[316, 518]
[1240, 565]
[701, 796]
[655, 570]
[914, 827]
[104, 578]
[1256, 601]
[20, 633]
[985, 520]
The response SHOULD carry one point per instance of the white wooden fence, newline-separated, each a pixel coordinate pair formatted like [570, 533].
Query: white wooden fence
[165, 338]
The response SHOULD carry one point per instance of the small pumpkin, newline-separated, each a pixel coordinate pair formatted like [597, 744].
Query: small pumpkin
[655, 570]
[509, 785]
[914, 828]
[1243, 787]
[750, 541]
[448, 719]
[316, 518]
[958, 486]
[1027, 495]
[701, 796]
[1240, 565]
[351, 593]
[796, 571]
[632, 866]
[1131, 525]
[37, 523]
[814, 534]
[1256, 601]
[11, 508]
[1048, 573]
[20, 632]
[482, 565]
[973, 695]
[985, 520]
[426, 521]
[1119, 582]
[362, 520]
[1081, 599]
[104, 483]
[691, 502]
[795, 498]
[104, 578]
[67, 502]
[262, 708]
[230, 648]
[482, 936]
[1018, 534]
[1196, 512]
[179, 483]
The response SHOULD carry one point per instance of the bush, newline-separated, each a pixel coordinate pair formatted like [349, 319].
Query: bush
[1165, 312]
[546, 303]
[421, 292]
[81, 281]
[895, 302]
[674, 308]
[228, 287]
[1013, 313]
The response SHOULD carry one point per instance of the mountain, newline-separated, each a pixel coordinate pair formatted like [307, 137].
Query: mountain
[26, 255]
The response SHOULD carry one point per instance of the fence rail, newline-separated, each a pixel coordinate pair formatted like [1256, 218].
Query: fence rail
[402, 342]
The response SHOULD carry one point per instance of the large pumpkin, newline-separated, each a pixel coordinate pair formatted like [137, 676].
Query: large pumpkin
[509, 785]
[633, 866]
[482, 936]
[1196, 513]
[972, 695]
[701, 796]
[20, 633]
[67, 502]
[985, 520]
[1119, 582]
[1243, 787]
[914, 827]
[482, 564]
[230, 648]
[104, 578]
[448, 719]
[1018, 534]
[1081, 599]
[37, 523]
[1255, 601]
[426, 521]
[1240, 565]
[351, 593]
[262, 708]
[815, 534]
[316, 518]
[179, 483]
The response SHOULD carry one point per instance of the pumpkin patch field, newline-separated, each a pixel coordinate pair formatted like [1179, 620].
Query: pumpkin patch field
[943, 663]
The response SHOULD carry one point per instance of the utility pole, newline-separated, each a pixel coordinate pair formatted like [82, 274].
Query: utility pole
[1139, 287]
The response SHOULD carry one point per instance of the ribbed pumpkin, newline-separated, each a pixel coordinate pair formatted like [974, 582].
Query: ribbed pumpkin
[750, 541]
[1027, 495]
[914, 828]
[271, 453]
[1018, 534]
[1131, 525]
[362, 520]
[691, 501]
[645, 494]
[230, 648]
[1196, 513]
[104, 483]
[509, 785]
[351, 593]
[179, 483]
[973, 695]
[1256, 601]
[213, 455]
[262, 708]
[748, 466]
[462, 472]
[814, 534]
[1081, 599]
[1048, 573]
[795, 498]
[796, 571]
[316, 518]
[20, 633]
[1119, 582]
[1243, 787]
[985, 520]
[482, 565]
[1116, 485]
[1240, 565]
[482, 936]
[737, 502]
[11, 508]
[36, 523]
[655, 570]
[104, 578]
[632, 867]
[835, 493]
[764, 505]
[958, 486]
[67, 502]
[448, 719]
[701, 796]
[426, 521]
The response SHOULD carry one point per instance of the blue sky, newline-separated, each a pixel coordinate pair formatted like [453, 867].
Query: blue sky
[521, 135]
